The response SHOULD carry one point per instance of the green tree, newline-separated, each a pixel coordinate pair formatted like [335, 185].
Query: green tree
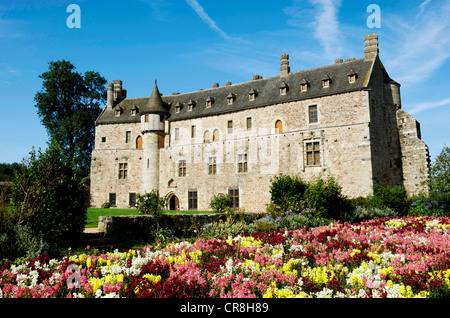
[68, 105]
[7, 171]
[440, 172]
[48, 198]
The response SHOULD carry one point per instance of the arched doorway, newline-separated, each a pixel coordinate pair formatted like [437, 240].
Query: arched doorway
[174, 203]
[139, 142]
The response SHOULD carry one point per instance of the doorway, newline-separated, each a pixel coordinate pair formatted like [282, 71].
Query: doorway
[174, 203]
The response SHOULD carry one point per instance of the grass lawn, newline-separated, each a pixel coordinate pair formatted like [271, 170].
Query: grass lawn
[94, 213]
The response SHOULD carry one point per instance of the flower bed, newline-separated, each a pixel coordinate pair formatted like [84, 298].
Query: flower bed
[391, 257]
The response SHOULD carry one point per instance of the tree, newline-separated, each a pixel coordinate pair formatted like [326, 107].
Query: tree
[68, 105]
[48, 198]
[440, 172]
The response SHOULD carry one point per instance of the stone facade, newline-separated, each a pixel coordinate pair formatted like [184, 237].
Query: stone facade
[343, 120]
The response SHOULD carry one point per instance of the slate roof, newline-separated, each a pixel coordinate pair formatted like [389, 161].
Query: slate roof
[267, 93]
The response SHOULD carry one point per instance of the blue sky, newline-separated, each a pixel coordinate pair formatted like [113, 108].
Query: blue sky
[190, 44]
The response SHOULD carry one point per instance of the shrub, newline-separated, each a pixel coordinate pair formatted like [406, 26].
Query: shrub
[287, 192]
[221, 203]
[296, 221]
[427, 207]
[325, 196]
[224, 229]
[48, 198]
[106, 205]
[394, 197]
[265, 225]
[151, 204]
[367, 213]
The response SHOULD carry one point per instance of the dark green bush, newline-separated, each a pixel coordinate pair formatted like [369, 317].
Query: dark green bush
[287, 192]
[151, 204]
[394, 197]
[48, 198]
[221, 203]
[360, 214]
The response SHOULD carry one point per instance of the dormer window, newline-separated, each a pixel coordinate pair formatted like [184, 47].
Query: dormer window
[230, 99]
[134, 110]
[283, 88]
[209, 102]
[252, 95]
[304, 85]
[177, 107]
[118, 111]
[191, 104]
[326, 81]
[352, 76]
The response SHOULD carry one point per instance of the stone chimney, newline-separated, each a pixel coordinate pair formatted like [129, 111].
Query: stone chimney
[228, 84]
[284, 69]
[338, 61]
[215, 85]
[370, 46]
[110, 96]
[257, 77]
[118, 93]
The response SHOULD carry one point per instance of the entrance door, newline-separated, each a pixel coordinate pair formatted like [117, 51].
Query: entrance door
[174, 203]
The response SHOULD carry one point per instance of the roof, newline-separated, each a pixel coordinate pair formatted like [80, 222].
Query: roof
[268, 93]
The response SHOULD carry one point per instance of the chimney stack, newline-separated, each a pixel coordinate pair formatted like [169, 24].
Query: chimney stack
[257, 77]
[117, 91]
[371, 46]
[110, 96]
[338, 61]
[215, 85]
[228, 84]
[284, 69]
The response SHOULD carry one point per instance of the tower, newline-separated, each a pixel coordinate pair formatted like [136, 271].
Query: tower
[153, 118]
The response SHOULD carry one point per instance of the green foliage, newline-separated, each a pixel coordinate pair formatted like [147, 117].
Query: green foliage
[428, 207]
[151, 204]
[224, 229]
[221, 203]
[68, 105]
[440, 172]
[286, 192]
[296, 221]
[7, 171]
[106, 205]
[360, 214]
[48, 198]
[396, 198]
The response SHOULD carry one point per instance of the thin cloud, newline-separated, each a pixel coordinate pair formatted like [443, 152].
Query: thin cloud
[205, 18]
[428, 105]
[422, 7]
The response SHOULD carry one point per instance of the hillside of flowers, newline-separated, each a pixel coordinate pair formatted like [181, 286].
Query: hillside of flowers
[385, 258]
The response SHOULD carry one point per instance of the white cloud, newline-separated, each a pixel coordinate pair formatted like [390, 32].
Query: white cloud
[421, 47]
[428, 105]
[422, 7]
[205, 18]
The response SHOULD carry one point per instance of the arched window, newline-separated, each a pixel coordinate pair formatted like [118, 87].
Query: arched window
[139, 142]
[278, 127]
[216, 135]
[206, 137]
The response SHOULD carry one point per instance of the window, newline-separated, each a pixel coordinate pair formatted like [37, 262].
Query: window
[146, 118]
[139, 142]
[304, 85]
[230, 126]
[326, 81]
[192, 199]
[123, 170]
[313, 114]
[132, 199]
[283, 89]
[209, 102]
[212, 167]
[313, 153]
[249, 123]
[177, 133]
[177, 109]
[103, 139]
[352, 78]
[133, 112]
[230, 99]
[193, 131]
[112, 199]
[242, 163]
[234, 194]
[182, 168]
[190, 107]
[206, 137]
[252, 95]
[160, 141]
[278, 127]
[127, 136]
[216, 135]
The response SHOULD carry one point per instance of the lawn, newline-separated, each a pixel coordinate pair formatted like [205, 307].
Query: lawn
[94, 213]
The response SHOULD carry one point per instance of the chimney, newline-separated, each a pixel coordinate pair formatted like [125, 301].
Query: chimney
[110, 96]
[371, 46]
[215, 85]
[284, 69]
[228, 84]
[338, 61]
[175, 93]
[350, 59]
[257, 77]
[117, 91]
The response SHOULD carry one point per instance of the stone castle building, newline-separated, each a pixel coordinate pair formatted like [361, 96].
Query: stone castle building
[343, 120]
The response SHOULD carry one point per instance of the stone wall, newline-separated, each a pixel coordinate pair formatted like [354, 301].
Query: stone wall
[133, 227]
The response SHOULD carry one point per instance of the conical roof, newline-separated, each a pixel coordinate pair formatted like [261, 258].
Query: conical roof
[155, 104]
